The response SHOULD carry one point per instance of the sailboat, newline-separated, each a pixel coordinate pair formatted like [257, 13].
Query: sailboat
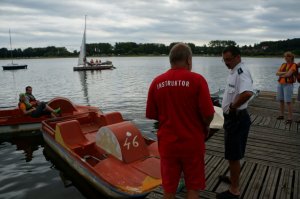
[12, 65]
[83, 64]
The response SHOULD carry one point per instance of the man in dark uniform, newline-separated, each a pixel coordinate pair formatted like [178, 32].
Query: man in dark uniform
[238, 91]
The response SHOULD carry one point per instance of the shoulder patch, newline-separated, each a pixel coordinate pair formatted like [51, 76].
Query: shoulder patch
[240, 71]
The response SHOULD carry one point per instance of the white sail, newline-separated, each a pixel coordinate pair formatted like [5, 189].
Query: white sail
[82, 55]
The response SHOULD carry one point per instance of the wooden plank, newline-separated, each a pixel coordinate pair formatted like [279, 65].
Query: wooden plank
[252, 117]
[257, 120]
[213, 178]
[272, 161]
[273, 131]
[245, 176]
[212, 166]
[269, 186]
[255, 182]
[267, 121]
[264, 149]
[276, 143]
[282, 190]
[296, 185]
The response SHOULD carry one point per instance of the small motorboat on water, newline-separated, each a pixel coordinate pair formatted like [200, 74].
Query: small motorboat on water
[108, 152]
[12, 65]
[14, 121]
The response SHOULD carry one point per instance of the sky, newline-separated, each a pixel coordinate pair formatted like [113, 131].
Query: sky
[60, 23]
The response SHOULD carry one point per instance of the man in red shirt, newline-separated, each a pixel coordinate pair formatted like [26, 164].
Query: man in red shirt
[179, 99]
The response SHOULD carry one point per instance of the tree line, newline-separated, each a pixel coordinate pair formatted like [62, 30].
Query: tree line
[214, 48]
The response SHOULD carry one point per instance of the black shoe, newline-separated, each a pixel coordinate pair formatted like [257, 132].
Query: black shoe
[227, 195]
[224, 178]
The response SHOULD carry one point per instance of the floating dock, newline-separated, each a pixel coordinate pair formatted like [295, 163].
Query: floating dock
[271, 167]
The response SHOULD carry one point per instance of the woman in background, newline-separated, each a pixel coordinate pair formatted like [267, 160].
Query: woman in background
[285, 86]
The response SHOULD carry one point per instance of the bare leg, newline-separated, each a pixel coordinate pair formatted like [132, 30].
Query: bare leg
[51, 110]
[48, 108]
[192, 194]
[282, 108]
[235, 169]
[290, 110]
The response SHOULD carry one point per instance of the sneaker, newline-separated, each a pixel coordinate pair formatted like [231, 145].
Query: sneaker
[181, 185]
[227, 195]
[57, 111]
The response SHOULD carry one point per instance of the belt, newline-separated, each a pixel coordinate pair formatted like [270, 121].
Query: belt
[238, 113]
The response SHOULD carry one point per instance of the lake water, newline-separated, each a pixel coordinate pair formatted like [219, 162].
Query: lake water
[25, 172]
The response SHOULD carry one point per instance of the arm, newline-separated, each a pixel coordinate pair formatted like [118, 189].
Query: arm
[151, 107]
[205, 104]
[280, 73]
[241, 99]
[207, 120]
[245, 90]
[287, 73]
[290, 72]
[26, 112]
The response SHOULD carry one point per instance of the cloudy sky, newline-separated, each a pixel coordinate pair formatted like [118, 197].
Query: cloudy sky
[41, 23]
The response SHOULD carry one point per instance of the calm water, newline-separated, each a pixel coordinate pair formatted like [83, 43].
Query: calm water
[25, 172]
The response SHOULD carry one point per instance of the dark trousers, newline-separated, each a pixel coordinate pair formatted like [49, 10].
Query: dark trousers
[236, 126]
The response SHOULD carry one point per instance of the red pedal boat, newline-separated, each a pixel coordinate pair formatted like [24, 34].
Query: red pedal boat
[14, 121]
[110, 153]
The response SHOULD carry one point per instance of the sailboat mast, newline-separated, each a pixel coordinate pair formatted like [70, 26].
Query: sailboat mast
[84, 41]
[12, 62]
[84, 23]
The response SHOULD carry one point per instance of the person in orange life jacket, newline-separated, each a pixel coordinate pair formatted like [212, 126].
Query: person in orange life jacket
[41, 109]
[30, 98]
[285, 85]
[180, 101]
[298, 96]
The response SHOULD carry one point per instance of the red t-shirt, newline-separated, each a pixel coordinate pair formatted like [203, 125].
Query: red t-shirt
[178, 99]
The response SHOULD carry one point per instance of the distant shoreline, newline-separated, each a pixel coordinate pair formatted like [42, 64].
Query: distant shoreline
[71, 57]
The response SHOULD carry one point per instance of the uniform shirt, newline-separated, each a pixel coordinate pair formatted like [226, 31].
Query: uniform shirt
[178, 99]
[238, 81]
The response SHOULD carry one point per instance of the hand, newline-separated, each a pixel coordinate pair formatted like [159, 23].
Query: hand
[207, 131]
[231, 108]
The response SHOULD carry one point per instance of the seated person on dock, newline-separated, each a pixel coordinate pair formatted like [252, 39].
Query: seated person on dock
[41, 109]
[96, 62]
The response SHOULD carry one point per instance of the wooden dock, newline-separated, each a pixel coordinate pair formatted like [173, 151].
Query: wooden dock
[271, 167]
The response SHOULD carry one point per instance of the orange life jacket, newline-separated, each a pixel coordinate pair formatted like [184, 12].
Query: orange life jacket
[298, 73]
[285, 68]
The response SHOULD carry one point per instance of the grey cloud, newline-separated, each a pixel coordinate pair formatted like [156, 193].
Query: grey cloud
[60, 23]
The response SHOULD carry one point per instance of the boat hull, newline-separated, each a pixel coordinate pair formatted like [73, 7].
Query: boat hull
[14, 67]
[14, 121]
[96, 67]
[72, 161]
[110, 154]
[20, 129]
